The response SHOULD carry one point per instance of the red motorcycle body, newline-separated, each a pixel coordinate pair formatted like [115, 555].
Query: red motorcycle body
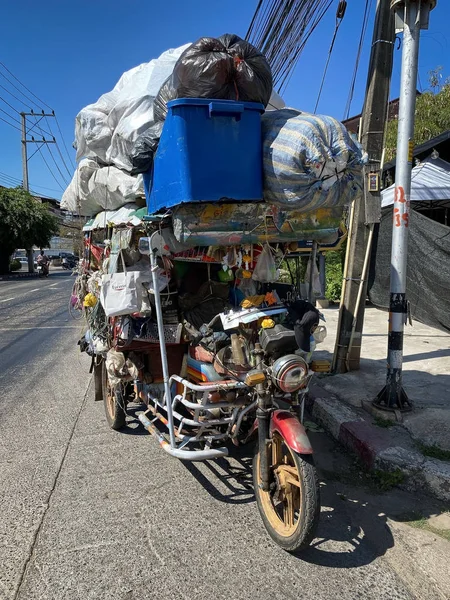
[290, 429]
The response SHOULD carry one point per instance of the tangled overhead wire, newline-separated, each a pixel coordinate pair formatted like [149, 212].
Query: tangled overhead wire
[280, 29]
[340, 13]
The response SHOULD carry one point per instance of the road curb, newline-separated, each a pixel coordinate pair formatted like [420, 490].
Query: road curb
[389, 449]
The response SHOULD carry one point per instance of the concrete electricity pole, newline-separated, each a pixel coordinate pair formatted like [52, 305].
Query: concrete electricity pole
[411, 16]
[365, 213]
[25, 183]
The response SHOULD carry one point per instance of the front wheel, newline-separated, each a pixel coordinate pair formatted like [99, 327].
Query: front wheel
[290, 509]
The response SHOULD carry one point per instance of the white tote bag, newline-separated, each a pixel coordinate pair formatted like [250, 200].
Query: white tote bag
[119, 293]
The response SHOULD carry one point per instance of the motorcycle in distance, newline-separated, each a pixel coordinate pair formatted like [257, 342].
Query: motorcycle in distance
[42, 264]
[43, 270]
[242, 383]
[69, 263]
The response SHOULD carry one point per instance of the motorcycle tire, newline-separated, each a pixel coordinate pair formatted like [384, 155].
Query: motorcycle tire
[303, 501]
[113, 403]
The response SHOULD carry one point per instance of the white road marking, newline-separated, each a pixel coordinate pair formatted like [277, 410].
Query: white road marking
[35, 290]
[42, 327]
[7, 299]
[53, 284]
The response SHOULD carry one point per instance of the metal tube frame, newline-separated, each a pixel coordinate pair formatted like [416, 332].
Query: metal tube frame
[207, 430]
[162, 341]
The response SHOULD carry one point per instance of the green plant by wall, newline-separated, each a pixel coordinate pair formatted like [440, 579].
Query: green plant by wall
[432, 114]
[15, 265]
[333, 281]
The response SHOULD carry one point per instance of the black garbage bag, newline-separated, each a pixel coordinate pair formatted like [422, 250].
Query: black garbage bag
[166, 93]
[144, 148]
[251, 70]
[228, 68]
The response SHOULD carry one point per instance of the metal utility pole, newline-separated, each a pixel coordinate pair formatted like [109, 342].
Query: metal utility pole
[411, 16]
[25, 141]
[368, 211]
[24, 153]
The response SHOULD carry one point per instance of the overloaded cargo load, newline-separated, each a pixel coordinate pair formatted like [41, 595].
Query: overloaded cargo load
[304, 162]
[122, 129]
[309, 161]
[109, 128]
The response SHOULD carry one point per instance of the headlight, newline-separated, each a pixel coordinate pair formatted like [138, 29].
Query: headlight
[290, 373]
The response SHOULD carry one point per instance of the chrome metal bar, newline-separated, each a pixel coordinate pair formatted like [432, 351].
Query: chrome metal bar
[185, 438]
[207, 388]
[193, 422]
[162, 342]
[192, 455]
[211, 405]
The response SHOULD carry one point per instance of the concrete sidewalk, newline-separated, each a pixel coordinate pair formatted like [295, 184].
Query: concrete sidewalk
[419, 446]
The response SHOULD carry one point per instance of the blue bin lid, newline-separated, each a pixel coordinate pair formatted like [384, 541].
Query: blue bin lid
[206, 101]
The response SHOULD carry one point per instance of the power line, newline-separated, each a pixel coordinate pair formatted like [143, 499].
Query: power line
[64, 142]
[10, 105]
[57, 147]
[16, 88]
[53, 158]
[32, 103]
[18, 183]
[24, 86]
[43, 187]
[340, 12]
[351, 92]
[16, 179]
[4, 120]
[281, 29]
[56, 165]
[36, 124]
[50, 170]
[14, 96]
[10, 116]
[18, 112]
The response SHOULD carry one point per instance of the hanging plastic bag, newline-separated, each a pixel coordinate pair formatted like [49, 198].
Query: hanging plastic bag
[266, 270]
[119, 293]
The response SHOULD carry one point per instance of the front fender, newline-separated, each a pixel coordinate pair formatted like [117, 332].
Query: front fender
[291, 430]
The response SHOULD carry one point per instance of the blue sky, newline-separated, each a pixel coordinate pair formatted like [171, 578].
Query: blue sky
[69, 53]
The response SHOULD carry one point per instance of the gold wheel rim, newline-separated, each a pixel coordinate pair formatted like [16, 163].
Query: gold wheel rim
[110, 403]
[110, 397]
[282, 504]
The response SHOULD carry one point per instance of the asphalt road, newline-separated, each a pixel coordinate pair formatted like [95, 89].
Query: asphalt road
[89, 513]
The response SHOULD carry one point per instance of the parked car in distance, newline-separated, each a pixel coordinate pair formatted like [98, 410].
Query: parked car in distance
[24, 262]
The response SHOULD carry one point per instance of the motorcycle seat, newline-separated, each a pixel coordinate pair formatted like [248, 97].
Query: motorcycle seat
[201, 354]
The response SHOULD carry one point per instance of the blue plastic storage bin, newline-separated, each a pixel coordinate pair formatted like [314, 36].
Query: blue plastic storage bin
[209, 150]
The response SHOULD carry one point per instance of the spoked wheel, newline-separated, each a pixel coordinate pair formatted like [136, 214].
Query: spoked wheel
[76, 308]
[290, 509]
[113, 402]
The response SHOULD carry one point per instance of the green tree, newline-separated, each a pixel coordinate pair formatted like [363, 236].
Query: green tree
[432, 114]
[24, 222]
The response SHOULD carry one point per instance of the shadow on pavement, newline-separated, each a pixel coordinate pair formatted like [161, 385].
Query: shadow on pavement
[353, 529]
[227, 479]
[134, 426]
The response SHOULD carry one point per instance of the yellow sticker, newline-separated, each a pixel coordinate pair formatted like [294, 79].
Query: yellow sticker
[410, 151]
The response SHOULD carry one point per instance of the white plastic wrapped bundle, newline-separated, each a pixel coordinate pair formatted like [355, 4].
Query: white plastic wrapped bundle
[97, 124]
[135, 115]
[111, 188]
[94, 188]
[76, 196]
